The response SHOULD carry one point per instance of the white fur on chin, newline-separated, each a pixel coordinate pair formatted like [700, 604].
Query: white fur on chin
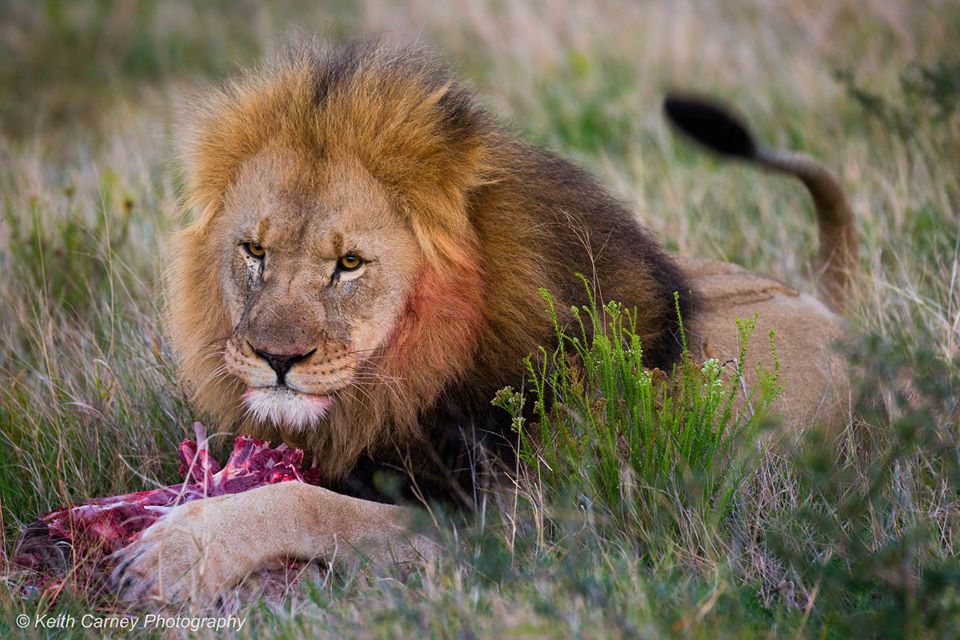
[284, 407]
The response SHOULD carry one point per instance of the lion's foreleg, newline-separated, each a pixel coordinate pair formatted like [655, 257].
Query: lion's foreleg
[203, 547]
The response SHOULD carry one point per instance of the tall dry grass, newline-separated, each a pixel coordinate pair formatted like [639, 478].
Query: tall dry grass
[858, 537]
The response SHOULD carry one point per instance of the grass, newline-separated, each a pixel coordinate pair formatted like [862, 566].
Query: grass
[644, 507]
[609, 429]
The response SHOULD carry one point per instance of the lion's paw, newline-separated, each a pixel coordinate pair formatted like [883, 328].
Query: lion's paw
[180, 556]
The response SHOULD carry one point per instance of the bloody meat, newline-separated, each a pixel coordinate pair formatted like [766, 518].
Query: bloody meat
[89, 532]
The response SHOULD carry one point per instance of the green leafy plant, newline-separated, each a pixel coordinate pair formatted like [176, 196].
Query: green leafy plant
[609, 430]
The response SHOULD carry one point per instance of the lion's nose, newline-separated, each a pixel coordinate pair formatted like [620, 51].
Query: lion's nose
[282, 363]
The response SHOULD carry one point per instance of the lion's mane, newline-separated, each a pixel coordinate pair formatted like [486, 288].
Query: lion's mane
[496, 220]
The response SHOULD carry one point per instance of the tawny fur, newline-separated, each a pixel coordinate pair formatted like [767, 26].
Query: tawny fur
[324, 149]
[494, 220]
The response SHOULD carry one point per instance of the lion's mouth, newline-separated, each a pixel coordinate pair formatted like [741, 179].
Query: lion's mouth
[285, 407]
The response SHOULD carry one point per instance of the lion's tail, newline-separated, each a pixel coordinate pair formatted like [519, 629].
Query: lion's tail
[719, 129]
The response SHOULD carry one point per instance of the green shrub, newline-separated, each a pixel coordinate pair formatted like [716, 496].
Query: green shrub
[614, 433]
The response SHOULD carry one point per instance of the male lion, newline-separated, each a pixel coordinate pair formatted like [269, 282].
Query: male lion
[361, 278]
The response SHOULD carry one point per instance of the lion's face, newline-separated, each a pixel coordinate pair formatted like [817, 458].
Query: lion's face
[314, 267]
[331, 285]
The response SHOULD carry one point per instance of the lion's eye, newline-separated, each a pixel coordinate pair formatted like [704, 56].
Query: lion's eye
[349, 262]
[255, 250]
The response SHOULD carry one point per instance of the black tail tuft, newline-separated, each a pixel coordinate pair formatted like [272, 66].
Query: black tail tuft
[710, 124]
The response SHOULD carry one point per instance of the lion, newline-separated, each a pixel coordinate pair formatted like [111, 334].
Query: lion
[361, 276]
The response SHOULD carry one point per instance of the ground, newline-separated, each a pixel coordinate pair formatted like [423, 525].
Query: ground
[828, 536]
